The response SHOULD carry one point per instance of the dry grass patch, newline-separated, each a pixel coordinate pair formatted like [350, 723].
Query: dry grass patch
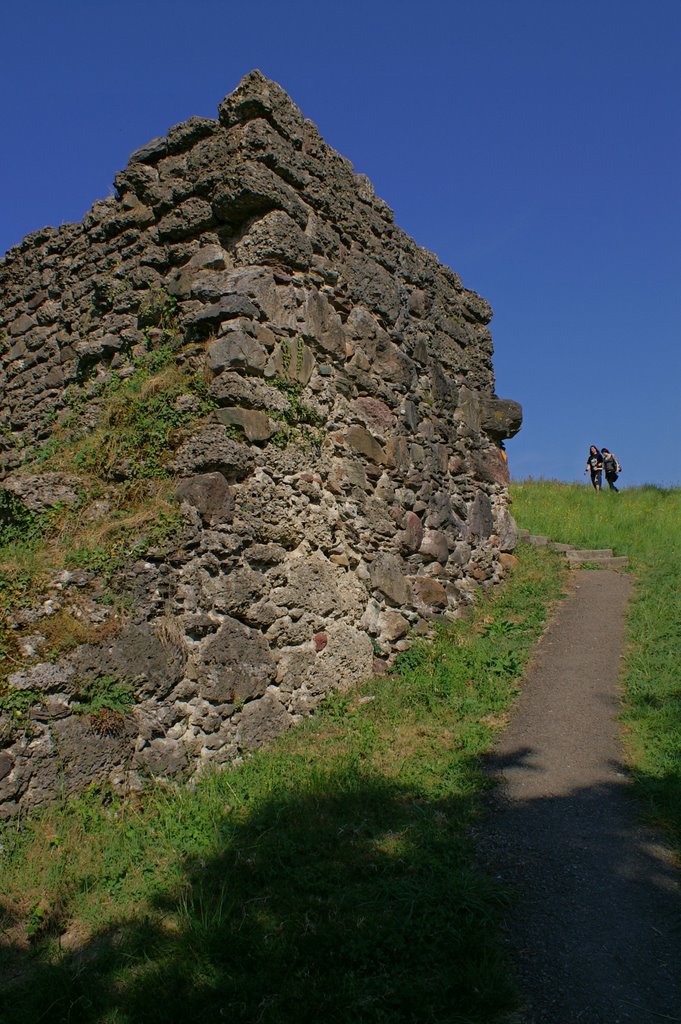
[67, 629]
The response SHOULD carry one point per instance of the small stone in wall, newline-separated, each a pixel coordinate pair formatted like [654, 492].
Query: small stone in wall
[362, 442]
[210, 495]
[392, 626]
[480, 521]
[275, 237]
[434, 546]
[429, 592]
[44, 490]
[374, 414]
[210, 449]
[6, 763]
[86, 754]
[21, 325]
[265, 554]
[291, 360]
[461, 553]
[255, 425]
[371, 618]
[46, 677]
[398, 454]
[317, 586]
[491, 466]
[163, 756]
[387, 577]
[410, 415]
[50, 709]
[204, 321]
[238, 351]
[239, 591]
[188, 218]
[507, 530]
[236, 664]
[139, 655]
[261, 721]
[320, 641]
[232, 389]
[209, 257]
[500, 418]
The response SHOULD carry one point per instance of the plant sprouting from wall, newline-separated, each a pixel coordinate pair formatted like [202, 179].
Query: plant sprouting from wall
[159, 309]
[301, 423]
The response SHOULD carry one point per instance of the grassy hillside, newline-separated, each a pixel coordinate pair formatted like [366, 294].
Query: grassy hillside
[644, 523]
[330, 877]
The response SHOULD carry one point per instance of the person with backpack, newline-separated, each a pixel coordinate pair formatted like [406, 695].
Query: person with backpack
[612, 469]
[594, 465]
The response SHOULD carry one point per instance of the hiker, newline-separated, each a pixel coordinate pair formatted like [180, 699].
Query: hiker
[594, 465]
[612, 468]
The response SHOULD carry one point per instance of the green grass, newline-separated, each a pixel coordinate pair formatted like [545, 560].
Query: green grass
[644, 523]
[142, 415]
[330, 877]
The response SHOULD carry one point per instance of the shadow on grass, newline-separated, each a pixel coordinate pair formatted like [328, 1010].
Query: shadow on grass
[353, 901]
[597, 920]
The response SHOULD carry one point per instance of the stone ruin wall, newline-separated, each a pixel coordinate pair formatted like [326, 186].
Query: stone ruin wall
[304, 565]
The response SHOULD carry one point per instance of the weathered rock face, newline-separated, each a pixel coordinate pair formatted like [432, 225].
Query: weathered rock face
[313, 542]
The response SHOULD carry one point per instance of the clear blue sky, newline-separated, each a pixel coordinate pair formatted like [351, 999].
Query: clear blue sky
[534, 145]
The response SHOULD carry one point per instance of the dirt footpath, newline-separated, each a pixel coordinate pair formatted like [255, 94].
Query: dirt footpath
[596, 930]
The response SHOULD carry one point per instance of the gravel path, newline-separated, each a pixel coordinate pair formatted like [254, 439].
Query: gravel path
[596, 930]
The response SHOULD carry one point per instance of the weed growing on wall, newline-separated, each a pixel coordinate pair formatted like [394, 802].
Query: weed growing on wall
[298, 412]
[121, 458]
[17, 522]
[106, 702]
[300, 422]
[158, 317]
[15, 706]
[138, 417]
[142, 417]
[159, 309]
[124, 538]
[18, 586]
[105, 293]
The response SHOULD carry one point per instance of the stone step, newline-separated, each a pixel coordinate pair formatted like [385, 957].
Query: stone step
[616, 562]
[536, 540]
[589, 555]
[576, 556]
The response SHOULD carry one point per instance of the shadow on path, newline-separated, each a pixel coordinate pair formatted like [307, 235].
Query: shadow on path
[596, 929]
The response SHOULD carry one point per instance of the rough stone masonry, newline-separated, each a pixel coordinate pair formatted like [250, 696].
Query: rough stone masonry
[307, 553]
